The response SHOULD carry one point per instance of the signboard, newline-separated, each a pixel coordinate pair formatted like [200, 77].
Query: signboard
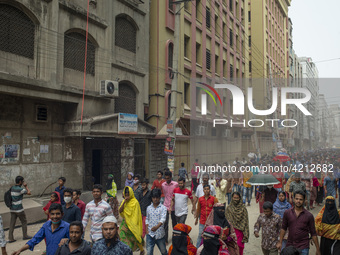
[169, 146]
[179, 131]
[170, 126]
[279, 144]
[127, 123]
[171, 163]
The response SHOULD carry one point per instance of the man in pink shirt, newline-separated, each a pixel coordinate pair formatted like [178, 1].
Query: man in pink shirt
[168, 188]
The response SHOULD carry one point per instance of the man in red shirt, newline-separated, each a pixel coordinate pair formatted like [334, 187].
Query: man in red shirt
[157, 184]
[204, 207]
[75, 196]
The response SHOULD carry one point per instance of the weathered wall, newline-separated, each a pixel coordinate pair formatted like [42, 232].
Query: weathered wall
[37, 151]
[157, 158]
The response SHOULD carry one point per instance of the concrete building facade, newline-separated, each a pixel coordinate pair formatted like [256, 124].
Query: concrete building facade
[52, 123]
[212, 50]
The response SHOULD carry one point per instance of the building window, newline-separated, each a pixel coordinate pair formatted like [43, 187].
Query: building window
[208, 60]
[17, 32]
[224, 68]
[125, 34]
[231, 37]
[217, 65]
[186, 92]
[198, 54]
[171, 5]
[207, 17]
[126, 102]
[170, 55]
[250, 67]
[186, 46]
[198, 16]
[249, 41]
[231, 71]
[74, 53]
[249, 16]
[231, 5]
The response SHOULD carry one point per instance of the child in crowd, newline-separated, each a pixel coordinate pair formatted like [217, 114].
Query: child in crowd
[55, 198]
[60, 189]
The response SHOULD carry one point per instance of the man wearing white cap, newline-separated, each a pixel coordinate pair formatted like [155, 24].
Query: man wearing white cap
[110, 244]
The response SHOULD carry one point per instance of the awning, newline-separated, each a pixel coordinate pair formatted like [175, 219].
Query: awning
[105, 126]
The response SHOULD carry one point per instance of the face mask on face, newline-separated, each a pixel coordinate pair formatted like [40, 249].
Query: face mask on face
[135, 181]
[56, 222]
[269, 186]
[67, 199]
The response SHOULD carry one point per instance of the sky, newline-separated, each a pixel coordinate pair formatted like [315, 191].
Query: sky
[316, 34]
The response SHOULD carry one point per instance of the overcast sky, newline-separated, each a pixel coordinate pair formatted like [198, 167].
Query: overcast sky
[316, 34]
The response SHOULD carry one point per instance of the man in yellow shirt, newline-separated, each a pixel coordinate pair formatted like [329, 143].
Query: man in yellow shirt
[246, 187]
[220, 186]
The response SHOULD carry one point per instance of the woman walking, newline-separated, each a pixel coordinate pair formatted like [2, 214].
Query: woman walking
[131, 228]
[280, 206]
[327, 225]
[237, 214]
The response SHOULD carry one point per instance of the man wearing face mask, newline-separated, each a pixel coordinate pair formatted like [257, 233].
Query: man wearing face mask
[137, 188]
[269, 194]
[71, 211]
[54, 230]
[110, 244]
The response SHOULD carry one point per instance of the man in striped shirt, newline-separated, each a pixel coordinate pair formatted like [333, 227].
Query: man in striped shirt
[97, 210]
[17, 210]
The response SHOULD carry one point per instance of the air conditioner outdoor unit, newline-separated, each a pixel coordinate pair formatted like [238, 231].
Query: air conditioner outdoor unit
[226, 133]
[109, 88]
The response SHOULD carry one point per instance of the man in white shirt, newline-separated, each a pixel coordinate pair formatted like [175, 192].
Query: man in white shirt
[199, 191]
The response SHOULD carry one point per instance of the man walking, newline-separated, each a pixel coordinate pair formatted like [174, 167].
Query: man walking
[71, 211]
[16, 209]
[300, 224]
[145, 202]
[182, 172]
[296, 185]
[97, 210]
[271, 225]
[180, 200]
[110, 243]
[199, 191]
[220, 186]
[168, 189]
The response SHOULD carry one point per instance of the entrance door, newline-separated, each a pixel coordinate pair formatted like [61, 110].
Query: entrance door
[96, 166]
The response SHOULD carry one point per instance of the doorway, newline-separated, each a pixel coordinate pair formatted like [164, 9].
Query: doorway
[96, 166]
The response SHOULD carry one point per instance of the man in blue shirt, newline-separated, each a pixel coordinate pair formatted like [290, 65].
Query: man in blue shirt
[53, 230]
[61, 188]
[110, 244]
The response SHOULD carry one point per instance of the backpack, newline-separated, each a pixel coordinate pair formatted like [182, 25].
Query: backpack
[8, 198]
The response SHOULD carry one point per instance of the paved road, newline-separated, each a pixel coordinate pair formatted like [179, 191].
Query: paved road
[251, 248]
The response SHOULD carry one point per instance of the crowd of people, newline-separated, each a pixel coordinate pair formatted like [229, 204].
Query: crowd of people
[219, 207]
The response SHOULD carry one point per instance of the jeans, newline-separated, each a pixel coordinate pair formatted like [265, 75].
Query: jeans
[181, 219]
[246, 195]
[166, 224]
[150, 244]
[22, 217]
[229, 198]
[305, 251]
[199, 238]
[236, 188]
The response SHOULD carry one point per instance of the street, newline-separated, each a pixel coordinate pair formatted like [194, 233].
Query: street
[251, 248]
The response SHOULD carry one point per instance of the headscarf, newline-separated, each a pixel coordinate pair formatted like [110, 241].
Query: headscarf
[132, 215]
[129, 182]
[213, 245]
[182, 244]
[331, 214]
[219, 216]
[47, 206]
[280, 207]
[237, 214]
[327, 222]
[315, 182]
[111, 186]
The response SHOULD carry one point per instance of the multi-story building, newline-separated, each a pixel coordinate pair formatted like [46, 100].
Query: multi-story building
[56, 117]
[334, 112]
[212, 50]
[310, 80]
[323, 123]
[268, 44]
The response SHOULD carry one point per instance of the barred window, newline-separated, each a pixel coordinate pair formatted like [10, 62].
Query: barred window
[17, 32]
[125, 34]
[126, 102]
[74, 53]
[170, 55]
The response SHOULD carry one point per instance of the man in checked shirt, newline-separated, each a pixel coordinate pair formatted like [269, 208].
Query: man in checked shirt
[97, 210]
